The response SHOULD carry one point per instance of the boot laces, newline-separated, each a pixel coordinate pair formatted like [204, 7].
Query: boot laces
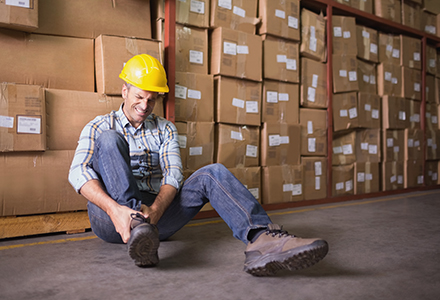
[280, 232]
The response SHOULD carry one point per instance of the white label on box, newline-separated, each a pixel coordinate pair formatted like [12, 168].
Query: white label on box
[342, 73]
[389, 48]
[388, 76]
[367, 107]
[352, 112]
[372, 149]
[428, 115]
[197, 7]
[366, 78]
[182, 141]
[236, 135]
[313, 43]
[396, 53]
[339, 186]
[434, 119]
[252, 107]
[281, 58]
[271, 97]
[311, 94]
[280, 13]
[416, 143]
[430, 29]
[238, 103]
[194, 151]
[309, 127]
[372, 79]
[254, 192]
[194, 94]
[311, 145]
[352, 76]
[243, 49]
[420, 179]
[375, 114]
[394, 80]
[434, 176]
[417, 87]
[343, 113]
[292, 22]
[348, 185]
[317, 183]
[239, 11]
[287, 187]
[6, 121]
[390, 142]
[416, 56]
[28, 125]
[347, 149]
[337, 31]
[410, 143]
[416, 118]
[393, 178]
[337, 150]
[369, 176]
[251, 150]
[400, 179]
[364, 146]
[318, 168]
[312, 31]
[274, 140]
[365, 34]
[429, 142]
[196, 57]
[297, 189]
[396, 149]
[402, 115]
[180, 91]
[315, 80]
[283, 97]
[19, 3]
[284, 139]
[361, 177]
[432, 63]
[225, 4]
[229, 48]
[347, 34]
[291, 64]
[373, 48]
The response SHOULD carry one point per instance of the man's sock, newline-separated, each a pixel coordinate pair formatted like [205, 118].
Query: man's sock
[255, 233]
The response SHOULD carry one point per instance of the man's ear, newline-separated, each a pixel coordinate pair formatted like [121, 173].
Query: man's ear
[124, 91]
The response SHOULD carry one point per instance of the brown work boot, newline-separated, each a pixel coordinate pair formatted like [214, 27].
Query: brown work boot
[276, 250]
[143, 242]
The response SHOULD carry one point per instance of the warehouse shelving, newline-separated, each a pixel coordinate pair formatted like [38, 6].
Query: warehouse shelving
[329, 8]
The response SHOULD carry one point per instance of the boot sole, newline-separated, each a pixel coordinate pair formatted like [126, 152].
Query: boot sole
[143, 247]
[294, 259]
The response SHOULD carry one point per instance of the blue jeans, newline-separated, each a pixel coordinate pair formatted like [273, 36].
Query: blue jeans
[213, 183]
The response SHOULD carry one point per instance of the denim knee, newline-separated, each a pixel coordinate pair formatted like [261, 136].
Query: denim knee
[110, 138]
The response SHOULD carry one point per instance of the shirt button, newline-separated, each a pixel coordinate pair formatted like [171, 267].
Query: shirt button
[139, 147]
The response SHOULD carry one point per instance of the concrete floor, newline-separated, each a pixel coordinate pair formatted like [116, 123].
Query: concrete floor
[380, 248]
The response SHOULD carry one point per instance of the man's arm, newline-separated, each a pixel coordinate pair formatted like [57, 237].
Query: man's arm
[163, 200]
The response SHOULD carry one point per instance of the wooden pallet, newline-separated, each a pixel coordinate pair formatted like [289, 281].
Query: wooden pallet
[18, 226]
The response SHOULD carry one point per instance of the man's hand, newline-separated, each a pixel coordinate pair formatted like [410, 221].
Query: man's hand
[121, 218]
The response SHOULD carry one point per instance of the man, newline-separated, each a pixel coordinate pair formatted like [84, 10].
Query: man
[127, 165]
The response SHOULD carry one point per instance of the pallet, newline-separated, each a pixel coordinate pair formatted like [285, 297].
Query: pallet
[19, 226]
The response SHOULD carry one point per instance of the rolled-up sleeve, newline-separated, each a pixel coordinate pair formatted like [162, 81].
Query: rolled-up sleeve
[170, 160]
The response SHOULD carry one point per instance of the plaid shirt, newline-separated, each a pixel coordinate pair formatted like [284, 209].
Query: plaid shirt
[154, 151]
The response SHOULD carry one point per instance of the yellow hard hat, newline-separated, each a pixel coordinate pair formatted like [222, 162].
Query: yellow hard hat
[145, 72]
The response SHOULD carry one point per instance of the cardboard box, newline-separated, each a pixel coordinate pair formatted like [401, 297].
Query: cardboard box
[411, 14]
[237, 146]
[280, 59]
[431, 116]
[313, 36]
[367, 43]
[432, 6]
[191, 49]
[313, 132]
[279, 144]
[393, 145]
[431, 60]
[237, 101]
[389, 80]
[22, 118]
[367, 77]
[89, 19]
[388, 9]
[250, 178]
[411, 55]
[235, 14]
[76, 109]
[313, 84]
[344, 148]
[411, 83]
[194, 97]
[196, 140]
[366, 177]
[430, 88]
[282, 184]
[345, 73]
[413, 113]
[437, 90]
[389, 48]
[368, 145]
[112, 52]
[344, 35]
[392, 175]
[343, 180]
[413, 144]
[432, 144]
[429, 22]
[237, 54]
[413, 173]
[279, 18]
[314, 167]
[431, 172]
[19, 15]
[345, 111]
[42, 188]
[394, 113]
[193, 13]
[280, 102]
[50, 61]
[364, 5]
[370, 107]
[438, 60]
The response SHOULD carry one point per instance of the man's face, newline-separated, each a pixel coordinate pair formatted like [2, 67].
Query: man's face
[138, 104]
